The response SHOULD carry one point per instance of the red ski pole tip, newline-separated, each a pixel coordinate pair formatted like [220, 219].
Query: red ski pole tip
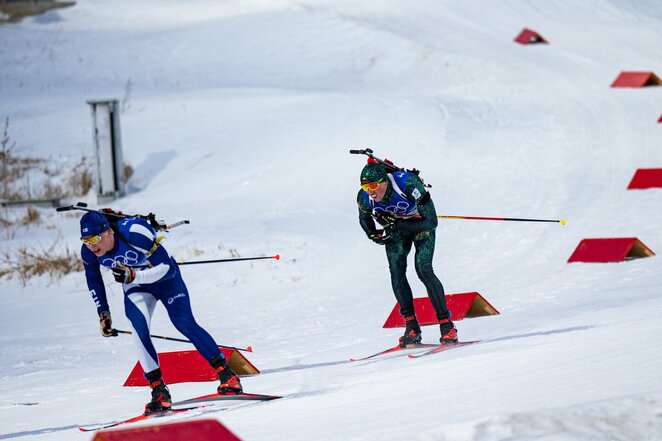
[249, 349]
[277, 257]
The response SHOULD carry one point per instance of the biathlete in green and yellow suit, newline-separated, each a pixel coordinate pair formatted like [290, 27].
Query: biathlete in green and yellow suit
[400, 203]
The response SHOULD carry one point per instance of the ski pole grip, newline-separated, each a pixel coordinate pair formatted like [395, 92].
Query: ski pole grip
[355, 152]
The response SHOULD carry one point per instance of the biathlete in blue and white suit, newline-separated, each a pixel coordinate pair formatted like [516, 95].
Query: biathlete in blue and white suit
[131, 249]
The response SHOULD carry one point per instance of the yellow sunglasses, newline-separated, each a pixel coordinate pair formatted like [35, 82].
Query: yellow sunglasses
[91, 240]
[372, 186]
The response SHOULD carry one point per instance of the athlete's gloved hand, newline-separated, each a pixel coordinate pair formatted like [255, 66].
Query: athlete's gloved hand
[386, 219]
[122, 273]
[106, 325]
[380, 237]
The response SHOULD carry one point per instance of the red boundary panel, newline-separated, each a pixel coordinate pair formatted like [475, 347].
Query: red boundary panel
[646, 178]
[636, 79]
[610, 250]
[198, 430]
[190, 366]
[527, 36]
[462, 305]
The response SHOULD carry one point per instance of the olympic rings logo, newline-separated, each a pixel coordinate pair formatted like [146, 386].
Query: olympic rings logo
[401, 207]
[129, 258]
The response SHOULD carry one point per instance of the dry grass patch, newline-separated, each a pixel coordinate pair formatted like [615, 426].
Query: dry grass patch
[15, 11]
[32, 216]
[27, 178]
[25, 263]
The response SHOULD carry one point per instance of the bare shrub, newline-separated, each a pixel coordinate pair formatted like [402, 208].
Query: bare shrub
[25, 263]
[14, 168]
[79, 184]
[84, 183]
[32, 216]
[50, 191]
[4, 223]
[6, 149]
[28, 178]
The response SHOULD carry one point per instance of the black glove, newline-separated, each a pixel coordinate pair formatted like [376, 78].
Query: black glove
[106, 324]
[385, 219]
[380, 237]
[122, 273]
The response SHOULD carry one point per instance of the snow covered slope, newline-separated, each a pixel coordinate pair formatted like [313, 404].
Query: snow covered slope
[239, 116]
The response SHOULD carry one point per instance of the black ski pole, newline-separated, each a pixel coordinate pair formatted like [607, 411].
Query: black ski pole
[236, 259]
[512, 219]
[197, 262]
[247, 349]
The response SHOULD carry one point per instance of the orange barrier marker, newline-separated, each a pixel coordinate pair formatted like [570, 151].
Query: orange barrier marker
[189, 366]
[636, 79]
[462, 305]
[646, 178]
[527, 36]
[610, 250]
[198, 430]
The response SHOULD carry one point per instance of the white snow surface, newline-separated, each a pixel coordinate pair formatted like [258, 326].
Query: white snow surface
[239, 117]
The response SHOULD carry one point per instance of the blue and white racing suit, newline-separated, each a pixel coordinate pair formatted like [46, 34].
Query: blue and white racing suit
[157, 277]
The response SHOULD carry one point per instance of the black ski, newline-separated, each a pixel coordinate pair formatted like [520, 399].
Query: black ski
[228, 397]
[200, 399]
[395, 349]
[140, 417]
[444, 347]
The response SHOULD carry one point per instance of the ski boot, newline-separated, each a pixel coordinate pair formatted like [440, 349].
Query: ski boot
[412, 335]
[448, 331]
[161, 400]
[230, 384]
